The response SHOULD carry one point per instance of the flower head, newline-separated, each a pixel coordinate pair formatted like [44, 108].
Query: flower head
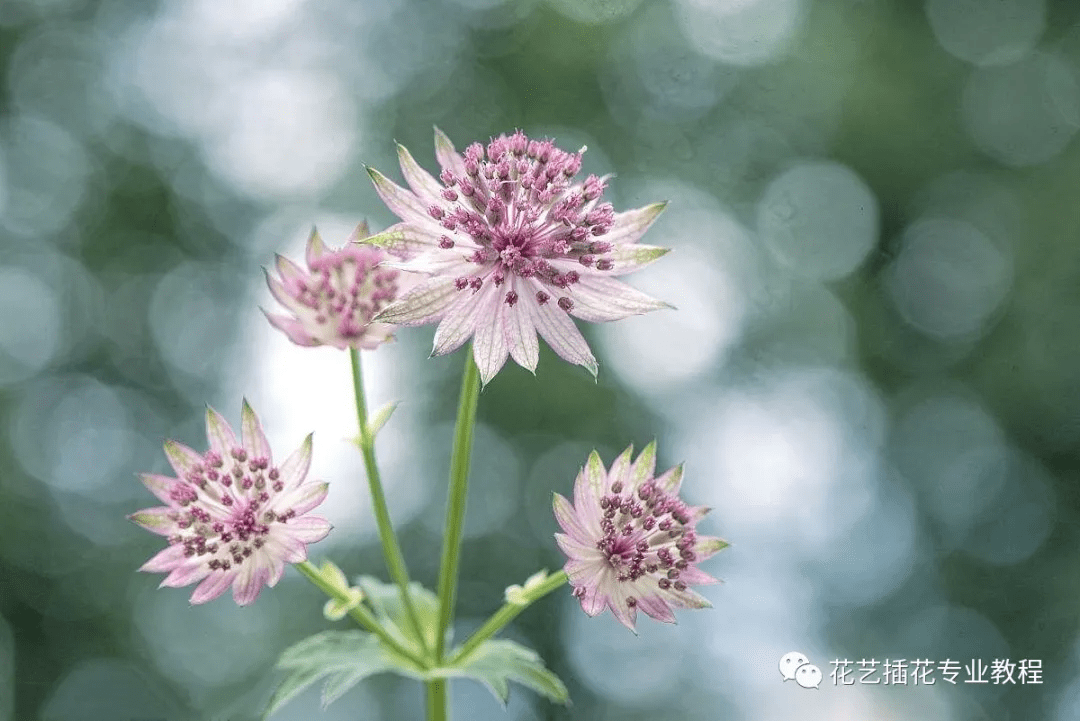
[630, 542]
[334, 302]
[232, 517]
[512, 247]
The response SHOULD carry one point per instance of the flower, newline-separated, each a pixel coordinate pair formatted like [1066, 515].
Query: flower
[232, 517]
[512, 248]
[335, 302]
[630, 542]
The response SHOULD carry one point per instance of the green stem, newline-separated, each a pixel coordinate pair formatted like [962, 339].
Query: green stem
[455, 501]
[395, 561]
[359, 612]
[436, 699]
[508, 613]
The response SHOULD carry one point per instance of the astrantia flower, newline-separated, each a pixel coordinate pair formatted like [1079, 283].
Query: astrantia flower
[334, 302]
[630, 541]
[232, 517]
[512, 247]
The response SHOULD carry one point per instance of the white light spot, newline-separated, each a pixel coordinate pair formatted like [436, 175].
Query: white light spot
[74, 434]
[47, 170]
[741, 32]
[987, 32]
[1025, 113]
[30, 331]
[948, 278]
[290, 133]
[820, 219]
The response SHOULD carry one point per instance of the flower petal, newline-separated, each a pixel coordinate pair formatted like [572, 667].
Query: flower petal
[213, 586]
[281, 294]
[568, 519]
[249, 581]
[282, 545]
[632, 224]
[290, 271]
[166, 559]
[458, 323]
[160, 486]
[309, 529]
[426, 187]
[302, 499]
[591, 483]
[295, 468]
[251, 432]
[423, 304]
[182, 458]
[685, 599]
[694, 576]
[561, 334]
[599, 299]
[293, 328]
[671, 480]
[489, 339]
[360, 232]
[656, 607]
[617, 602]
[446, 155]
[520, 333]
[643, 468]
[409, 238]
[629, 258]
[709, 546]
[219, 433]
[620, 467]
[185, 575]
[156, 520]
[401, 202]
[315, 248]
[593, 600]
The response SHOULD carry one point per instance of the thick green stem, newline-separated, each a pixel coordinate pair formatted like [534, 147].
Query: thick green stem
[455, 501]
[508, 613]
[395, 561]
[436, 699]
[359, 612]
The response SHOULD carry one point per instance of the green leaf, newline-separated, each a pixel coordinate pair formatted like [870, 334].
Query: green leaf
[385, 600]
[496, 662]
[379, 418]
[346, 657]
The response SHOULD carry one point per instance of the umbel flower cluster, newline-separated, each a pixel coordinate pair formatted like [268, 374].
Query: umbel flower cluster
[231, 516]
[512, 247]
[631, 542]
[503, 247]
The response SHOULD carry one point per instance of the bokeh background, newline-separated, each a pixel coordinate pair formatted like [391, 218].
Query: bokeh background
[873, 374]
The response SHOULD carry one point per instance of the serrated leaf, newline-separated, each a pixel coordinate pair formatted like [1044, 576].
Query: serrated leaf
[346, 657]
[385, 600]
[380, 417]
[496, 662]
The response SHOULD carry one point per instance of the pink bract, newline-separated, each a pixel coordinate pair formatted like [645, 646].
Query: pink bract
[630, 542]
[232, 517]
[512, 247]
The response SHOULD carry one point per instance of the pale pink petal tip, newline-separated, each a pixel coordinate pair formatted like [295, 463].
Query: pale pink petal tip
[631, 543]
[232, 517]
[334, 301]
[513, 245]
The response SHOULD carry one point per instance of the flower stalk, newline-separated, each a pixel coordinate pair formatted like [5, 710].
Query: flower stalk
[358, 612]
[455, 501]
[395, 561]
[518, 600]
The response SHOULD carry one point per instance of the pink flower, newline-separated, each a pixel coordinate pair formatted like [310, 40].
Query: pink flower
[512, 248]
[334, 303]
[630, 541]
[232, 517]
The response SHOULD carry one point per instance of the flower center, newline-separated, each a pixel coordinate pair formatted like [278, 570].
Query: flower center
[223, 501]
[651, 534]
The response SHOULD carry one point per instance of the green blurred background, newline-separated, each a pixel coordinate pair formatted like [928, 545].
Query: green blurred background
[873, 374]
